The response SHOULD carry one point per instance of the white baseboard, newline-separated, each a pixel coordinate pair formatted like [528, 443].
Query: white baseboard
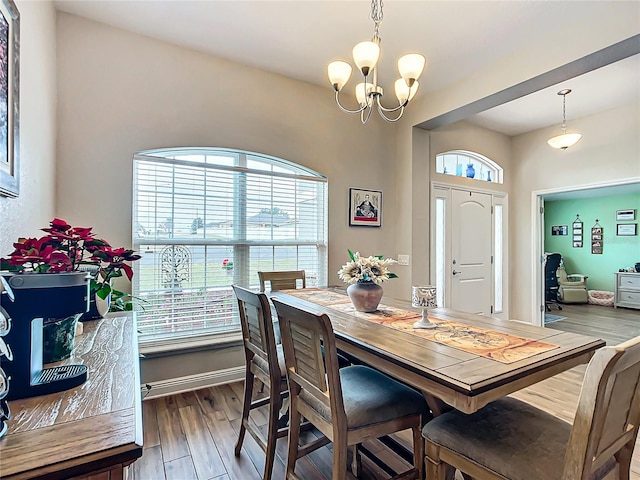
[191, 382]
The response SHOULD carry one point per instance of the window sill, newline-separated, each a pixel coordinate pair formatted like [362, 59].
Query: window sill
[158, 347]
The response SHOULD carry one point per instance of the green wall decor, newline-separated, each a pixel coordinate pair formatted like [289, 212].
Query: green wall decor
[617, 251]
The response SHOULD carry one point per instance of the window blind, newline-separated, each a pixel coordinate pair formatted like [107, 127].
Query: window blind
[206, 219]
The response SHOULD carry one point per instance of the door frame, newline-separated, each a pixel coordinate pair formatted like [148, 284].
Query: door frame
[538, 235]
[497, 198]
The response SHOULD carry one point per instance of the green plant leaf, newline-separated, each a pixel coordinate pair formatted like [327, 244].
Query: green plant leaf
[351, 255]
[104, 291]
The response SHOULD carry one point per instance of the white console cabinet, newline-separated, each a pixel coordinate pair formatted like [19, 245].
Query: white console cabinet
[627, 290]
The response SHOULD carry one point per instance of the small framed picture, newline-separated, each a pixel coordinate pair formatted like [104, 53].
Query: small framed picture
[622, 215]
[627, 229]
[596, 250]
[577, 244]
[365, 207]
[559, 230]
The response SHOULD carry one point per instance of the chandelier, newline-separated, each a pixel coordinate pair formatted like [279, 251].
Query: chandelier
[369, 93]
[564, 140]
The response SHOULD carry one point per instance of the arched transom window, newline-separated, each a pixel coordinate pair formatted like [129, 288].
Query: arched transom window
[462, 163]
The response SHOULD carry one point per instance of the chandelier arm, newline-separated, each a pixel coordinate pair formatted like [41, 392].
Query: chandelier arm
[364, 119]
[381, 111]
[390, 110]
[346, 110]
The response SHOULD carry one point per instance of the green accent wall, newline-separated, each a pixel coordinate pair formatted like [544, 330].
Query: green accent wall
[617, 251]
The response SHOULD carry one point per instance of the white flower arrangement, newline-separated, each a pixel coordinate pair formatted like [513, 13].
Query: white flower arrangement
[366, 269]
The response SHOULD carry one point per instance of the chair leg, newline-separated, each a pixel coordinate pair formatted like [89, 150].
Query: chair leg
[246, 407]
[356, 461]
[339, 459]
[418, 451]
[272, 432]
[436, 469]
[294, 439]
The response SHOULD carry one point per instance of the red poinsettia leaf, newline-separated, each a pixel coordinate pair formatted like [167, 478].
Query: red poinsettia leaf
[60, 225]
[128, 270]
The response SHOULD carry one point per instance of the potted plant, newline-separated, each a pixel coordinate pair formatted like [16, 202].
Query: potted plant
[364, 276]
[70, 249]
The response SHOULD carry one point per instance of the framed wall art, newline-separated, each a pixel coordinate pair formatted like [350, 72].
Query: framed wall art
[365, 207]
[576, 231]
[597, 236]
[9, 99]
[559, 230]
[622, 215]
[627, 229]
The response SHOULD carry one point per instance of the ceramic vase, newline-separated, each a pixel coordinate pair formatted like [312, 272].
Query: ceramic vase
[365, 296]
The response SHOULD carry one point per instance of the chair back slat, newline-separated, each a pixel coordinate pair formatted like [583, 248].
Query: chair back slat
[608, 414]
[303, 333]
[283, 280]
[257, 326]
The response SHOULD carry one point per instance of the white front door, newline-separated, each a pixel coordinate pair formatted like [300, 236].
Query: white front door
[471, 251]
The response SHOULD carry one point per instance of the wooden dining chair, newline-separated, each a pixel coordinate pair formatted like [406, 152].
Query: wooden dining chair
[348, 405]
[264, 361]
[284, 280]
[512, 440]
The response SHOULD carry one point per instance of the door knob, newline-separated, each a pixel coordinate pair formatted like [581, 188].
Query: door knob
[456, 272]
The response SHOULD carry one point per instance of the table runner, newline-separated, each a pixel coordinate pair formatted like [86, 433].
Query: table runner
[499, 346]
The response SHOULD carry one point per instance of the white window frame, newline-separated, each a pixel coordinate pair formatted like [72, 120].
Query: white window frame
[276, 169]
[454, 162]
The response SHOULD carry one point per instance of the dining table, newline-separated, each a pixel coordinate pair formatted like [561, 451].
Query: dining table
[465, 362]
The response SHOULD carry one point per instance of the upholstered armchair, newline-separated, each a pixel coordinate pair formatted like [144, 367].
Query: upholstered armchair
[573, 288]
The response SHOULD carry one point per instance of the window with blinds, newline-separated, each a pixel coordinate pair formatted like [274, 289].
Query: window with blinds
[204, 219]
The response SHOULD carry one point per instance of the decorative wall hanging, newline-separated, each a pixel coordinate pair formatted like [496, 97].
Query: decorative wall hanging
[576, 230]
[365, 207]
[624, 215]
[9, 99]
[627, 229]
[597, 238]
[559, 230]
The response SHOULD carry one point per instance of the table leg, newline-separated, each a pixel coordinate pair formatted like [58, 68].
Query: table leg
[437, 406]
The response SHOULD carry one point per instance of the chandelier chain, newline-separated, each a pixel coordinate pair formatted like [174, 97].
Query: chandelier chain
[564, 113]
[376, 16]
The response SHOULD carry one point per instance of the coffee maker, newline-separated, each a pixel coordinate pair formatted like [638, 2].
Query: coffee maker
[29, 299]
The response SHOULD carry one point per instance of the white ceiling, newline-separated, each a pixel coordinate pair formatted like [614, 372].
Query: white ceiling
[298, 38]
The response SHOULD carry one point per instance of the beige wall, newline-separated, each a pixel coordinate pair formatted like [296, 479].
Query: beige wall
[34, 208]
[608, 152]
[120, 93]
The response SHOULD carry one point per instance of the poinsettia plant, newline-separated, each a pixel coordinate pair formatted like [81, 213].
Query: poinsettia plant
[67, 249]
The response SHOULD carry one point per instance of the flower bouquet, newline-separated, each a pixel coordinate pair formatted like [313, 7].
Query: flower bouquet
[364, 276]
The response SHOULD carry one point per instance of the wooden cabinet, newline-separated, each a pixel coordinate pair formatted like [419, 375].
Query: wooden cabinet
[627, 292]
[93, 429]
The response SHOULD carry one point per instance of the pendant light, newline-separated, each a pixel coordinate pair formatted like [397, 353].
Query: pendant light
[564, 140]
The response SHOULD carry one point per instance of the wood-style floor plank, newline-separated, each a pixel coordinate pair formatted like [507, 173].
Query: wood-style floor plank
[180, 469]
[183, 432]
[173, 442]
[204, 453]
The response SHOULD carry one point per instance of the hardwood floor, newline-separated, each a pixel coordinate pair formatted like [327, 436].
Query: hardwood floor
[192, 435]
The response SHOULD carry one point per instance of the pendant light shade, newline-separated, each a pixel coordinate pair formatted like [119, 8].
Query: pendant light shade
[403, 92]
[411, 66]
[564, 140]
[339, 74]
[365, 56]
